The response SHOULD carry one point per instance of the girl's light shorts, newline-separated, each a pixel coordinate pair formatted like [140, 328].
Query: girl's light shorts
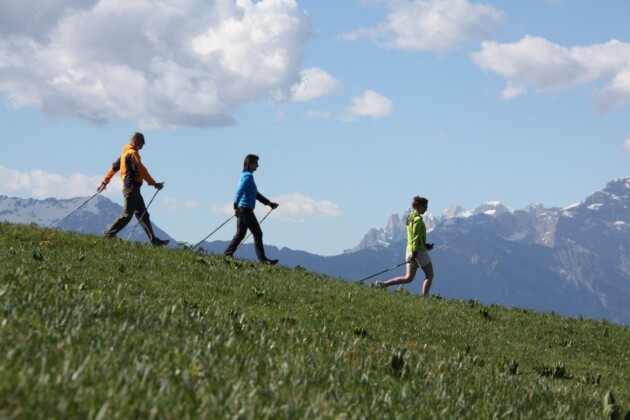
[422, 257]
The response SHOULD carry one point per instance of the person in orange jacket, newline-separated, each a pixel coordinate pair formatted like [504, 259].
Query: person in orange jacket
[133, 173]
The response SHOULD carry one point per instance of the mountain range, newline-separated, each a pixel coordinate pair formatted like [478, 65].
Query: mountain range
[94, 217]
[573, 260]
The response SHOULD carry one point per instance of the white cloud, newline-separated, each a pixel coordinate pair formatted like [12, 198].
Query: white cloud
[626, 144]
[35, 18]
[547, 67]
[371, 2]
[371, 104]
[314, 83]
[41, 184]
[297, 207]
[293, 208]
[318, 115]
[512, 91]
[161, 63]
[226, 209]
[617, 93]
[173, 204]
[431, 25]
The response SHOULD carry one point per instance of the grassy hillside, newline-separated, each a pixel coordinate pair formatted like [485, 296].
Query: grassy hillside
[97, 328]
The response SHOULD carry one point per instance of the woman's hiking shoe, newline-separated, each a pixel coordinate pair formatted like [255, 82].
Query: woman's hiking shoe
[270, 262]
[159, 242]
[379, 284]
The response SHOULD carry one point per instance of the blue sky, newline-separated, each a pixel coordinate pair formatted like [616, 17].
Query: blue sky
[353, 106]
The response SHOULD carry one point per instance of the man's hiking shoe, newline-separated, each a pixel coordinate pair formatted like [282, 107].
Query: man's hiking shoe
[270, 262]
[109, 236]
[379, 284]
[159, 242]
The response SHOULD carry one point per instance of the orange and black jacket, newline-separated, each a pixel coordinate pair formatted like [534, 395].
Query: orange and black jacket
[132, 171]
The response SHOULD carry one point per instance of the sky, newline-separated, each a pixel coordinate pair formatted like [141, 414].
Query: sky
[354, 106]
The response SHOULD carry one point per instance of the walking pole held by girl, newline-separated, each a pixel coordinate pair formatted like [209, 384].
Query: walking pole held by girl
[417, 248]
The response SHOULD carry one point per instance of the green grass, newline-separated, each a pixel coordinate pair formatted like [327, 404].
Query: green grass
[95, 328]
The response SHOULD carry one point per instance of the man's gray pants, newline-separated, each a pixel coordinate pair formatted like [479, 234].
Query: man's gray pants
[134, 204]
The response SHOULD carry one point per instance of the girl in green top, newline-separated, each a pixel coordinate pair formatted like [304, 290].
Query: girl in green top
[417, 248]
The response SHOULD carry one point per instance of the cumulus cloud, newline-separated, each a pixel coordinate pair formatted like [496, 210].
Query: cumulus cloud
[537, 63]
[616, 93]
[227, 209]
[35, 18]
[294, 208]
[41, 184]
[512, 91]
[160, 63]
[371, 104]
[297, 207]
[314, 83]
[173, 204]
[371, 2]
[431, 25]
[318, 115]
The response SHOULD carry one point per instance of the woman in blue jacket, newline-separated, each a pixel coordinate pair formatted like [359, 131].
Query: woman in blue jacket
[244, 204]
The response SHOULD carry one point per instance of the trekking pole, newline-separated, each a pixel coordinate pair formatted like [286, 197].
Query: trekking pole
[143, 213]
[249, 234]
[211, 233]
[381, 272]
[83, 204]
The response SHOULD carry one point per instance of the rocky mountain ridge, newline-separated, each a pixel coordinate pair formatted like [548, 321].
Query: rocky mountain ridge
[94, 217]
[573, 260]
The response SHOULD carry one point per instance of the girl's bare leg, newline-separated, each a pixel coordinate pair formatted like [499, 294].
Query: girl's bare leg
[428, 272]
[412, 267]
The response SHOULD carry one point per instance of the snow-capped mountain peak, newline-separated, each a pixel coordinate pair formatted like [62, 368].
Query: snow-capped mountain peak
[43, 212]
[455, 211]
[92, 217]
[492, 208]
